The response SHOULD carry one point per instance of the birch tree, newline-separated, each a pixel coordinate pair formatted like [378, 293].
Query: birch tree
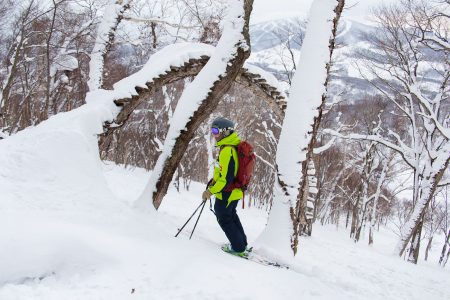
[307, 96]
[106, 33]
[381, 180]
[445, 228]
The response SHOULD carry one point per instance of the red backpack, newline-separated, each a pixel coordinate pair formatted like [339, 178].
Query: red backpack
[247, 160]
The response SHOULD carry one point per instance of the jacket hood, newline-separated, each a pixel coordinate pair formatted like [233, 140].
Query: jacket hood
[231, 140]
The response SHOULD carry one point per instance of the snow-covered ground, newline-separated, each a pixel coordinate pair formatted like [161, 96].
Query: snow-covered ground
[69, 231]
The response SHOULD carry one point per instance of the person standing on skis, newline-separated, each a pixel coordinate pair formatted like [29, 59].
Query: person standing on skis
[225, 171]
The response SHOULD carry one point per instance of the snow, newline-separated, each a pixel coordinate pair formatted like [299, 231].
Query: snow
[69, 232]
[307, 90]
[108, 250]
[64, 62]
[177, 55]
[160, 63]
[39, 158]
[268, 77]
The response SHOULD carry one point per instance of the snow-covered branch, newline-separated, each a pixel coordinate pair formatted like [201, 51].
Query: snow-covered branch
[404, 152]
[430, 114]
[325, 147]
[158, 21]
[111, 18]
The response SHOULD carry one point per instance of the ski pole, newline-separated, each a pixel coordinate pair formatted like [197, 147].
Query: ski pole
[210, 207]
[204, 202]
[189, 219]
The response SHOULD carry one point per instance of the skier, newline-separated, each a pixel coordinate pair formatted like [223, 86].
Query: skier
[225, 171]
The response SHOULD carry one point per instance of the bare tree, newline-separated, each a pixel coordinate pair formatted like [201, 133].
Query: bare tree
[290, 38]
[22, 26]
[401, 71]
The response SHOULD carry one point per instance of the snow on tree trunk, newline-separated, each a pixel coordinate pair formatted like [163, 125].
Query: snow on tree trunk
[306, 97]
[427, 250]
[310, 199]
[200, 98]
[445, 253]
[359, 210]
[373, 219]
[106, 32]
[432, 175]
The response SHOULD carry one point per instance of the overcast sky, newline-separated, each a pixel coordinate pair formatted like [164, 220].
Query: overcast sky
[264, 10]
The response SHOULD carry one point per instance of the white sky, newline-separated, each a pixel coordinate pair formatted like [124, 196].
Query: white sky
[264, 10]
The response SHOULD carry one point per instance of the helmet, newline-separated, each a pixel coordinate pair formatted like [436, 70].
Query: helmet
[223, 125]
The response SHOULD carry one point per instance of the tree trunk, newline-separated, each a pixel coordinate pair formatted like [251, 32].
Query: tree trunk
[45, 112]
[443, 259]
[360, 222]
[413, 252]
[354, 219]
[371, 235]
[298, 213]
[427, 250]
[414, 225]
[104, 41]
[207, 105]
[347, 219]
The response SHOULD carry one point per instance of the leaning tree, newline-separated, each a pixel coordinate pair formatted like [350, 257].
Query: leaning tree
[213, 69]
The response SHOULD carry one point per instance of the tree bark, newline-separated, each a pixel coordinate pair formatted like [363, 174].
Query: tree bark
[443, 258]
[413, 252]
[45, 113]
[427, 250]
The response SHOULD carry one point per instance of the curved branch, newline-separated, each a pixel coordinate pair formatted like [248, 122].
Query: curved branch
[377, 139]
[255, 82]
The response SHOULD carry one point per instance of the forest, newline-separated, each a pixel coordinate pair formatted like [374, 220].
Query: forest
[349, 129]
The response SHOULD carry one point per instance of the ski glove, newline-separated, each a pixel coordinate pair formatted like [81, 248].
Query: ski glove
[206, 195]
[210, 183]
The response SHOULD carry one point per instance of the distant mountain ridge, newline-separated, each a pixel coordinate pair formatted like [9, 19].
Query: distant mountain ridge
[269, 38]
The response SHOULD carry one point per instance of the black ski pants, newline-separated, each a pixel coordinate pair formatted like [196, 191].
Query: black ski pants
[230, 223]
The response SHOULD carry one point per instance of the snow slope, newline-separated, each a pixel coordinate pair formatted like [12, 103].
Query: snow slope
[68, 231]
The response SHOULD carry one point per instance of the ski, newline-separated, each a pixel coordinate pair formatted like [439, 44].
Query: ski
[266, 262]
[257, 258]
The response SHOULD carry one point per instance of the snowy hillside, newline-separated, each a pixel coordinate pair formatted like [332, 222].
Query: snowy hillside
[271, 39]
[74, 226]
[71, 233]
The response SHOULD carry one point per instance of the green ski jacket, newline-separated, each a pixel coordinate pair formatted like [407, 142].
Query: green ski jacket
[226, 167]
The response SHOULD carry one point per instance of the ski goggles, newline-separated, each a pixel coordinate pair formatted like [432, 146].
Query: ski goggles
[215, 130]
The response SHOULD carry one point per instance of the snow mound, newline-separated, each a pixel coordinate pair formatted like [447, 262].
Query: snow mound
[56, 165]
[40, 247]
